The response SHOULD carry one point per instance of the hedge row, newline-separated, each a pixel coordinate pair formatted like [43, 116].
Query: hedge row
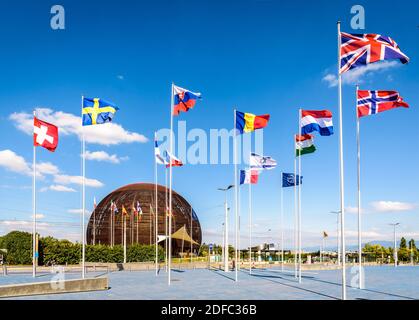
[53, 251]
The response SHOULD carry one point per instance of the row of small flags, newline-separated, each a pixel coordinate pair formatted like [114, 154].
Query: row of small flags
[356, 50]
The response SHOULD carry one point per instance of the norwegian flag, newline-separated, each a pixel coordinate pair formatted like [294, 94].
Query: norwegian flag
[361, 49]
[375, 101]
[45, 134]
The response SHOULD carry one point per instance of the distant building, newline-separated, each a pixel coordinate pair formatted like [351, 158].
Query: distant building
[144, 231]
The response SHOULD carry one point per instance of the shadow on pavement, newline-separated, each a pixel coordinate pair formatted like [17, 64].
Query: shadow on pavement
[349, 286]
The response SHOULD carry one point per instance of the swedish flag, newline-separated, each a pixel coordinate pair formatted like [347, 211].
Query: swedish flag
[97, 111]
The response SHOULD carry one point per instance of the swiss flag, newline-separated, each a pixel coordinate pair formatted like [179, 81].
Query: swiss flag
[45, 134]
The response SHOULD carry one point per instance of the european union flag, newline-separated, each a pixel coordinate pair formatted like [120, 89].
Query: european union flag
[97, 111]
[288, 180]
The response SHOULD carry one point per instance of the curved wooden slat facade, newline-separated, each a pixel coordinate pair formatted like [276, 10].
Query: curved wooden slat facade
[142, 230]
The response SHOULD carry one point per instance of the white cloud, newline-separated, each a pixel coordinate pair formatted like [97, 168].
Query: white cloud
[11, 225]
[13, 162]
[58, 188]
[351, 209]
[354, 76]
[69, 231]
[66, 179]
[47, 168]
[70, 124]
[104, 156]
[372, 235]
[78, 211]
[391, 206]
[38, 216]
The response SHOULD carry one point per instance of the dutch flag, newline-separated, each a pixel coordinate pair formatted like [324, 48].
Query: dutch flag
[318, 120]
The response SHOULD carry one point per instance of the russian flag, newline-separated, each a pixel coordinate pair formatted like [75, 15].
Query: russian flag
[183, 100]
[316, 120]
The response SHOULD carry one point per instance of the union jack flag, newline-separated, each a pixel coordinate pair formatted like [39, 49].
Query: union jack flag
[360, 49]
[375, 101]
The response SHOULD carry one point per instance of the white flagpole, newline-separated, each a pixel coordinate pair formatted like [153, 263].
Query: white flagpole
[34, 209]
[170, 187]
[299, 206]
[191, 236]
[150, 224]
[238, 246]
[235, 199]
[250, 227]
[83, 200]
[226, 255]
[358, 142]
[165, 222]
[113, 228]
[295, 211]
[111, 225]
[282, 227]
[342, 189]
[94, 222]
[157, 208]
[125, 238]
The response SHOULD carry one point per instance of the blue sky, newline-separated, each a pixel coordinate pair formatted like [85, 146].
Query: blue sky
[258, 56]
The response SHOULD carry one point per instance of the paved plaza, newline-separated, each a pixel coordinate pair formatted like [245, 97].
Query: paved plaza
[381, 283]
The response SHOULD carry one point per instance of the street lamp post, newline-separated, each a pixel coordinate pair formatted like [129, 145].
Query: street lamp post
[225, 226]
[338, 232]
[395, 242]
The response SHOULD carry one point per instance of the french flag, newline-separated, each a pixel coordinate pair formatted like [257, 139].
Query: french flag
[183, 100]
[316, 120]
[249, 176]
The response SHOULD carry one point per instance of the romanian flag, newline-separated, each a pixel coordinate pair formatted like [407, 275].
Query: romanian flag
[248, 122]
[304, 144]
[183, 99]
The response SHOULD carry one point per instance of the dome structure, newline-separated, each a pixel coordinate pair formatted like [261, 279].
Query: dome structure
[104, 227]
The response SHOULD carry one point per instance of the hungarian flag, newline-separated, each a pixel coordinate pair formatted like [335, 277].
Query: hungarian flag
[304, 144]
[45, 134]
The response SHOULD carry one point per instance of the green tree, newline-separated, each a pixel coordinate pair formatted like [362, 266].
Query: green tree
[144, 253]
[403, 243]
[19, 247]
[412, 244]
